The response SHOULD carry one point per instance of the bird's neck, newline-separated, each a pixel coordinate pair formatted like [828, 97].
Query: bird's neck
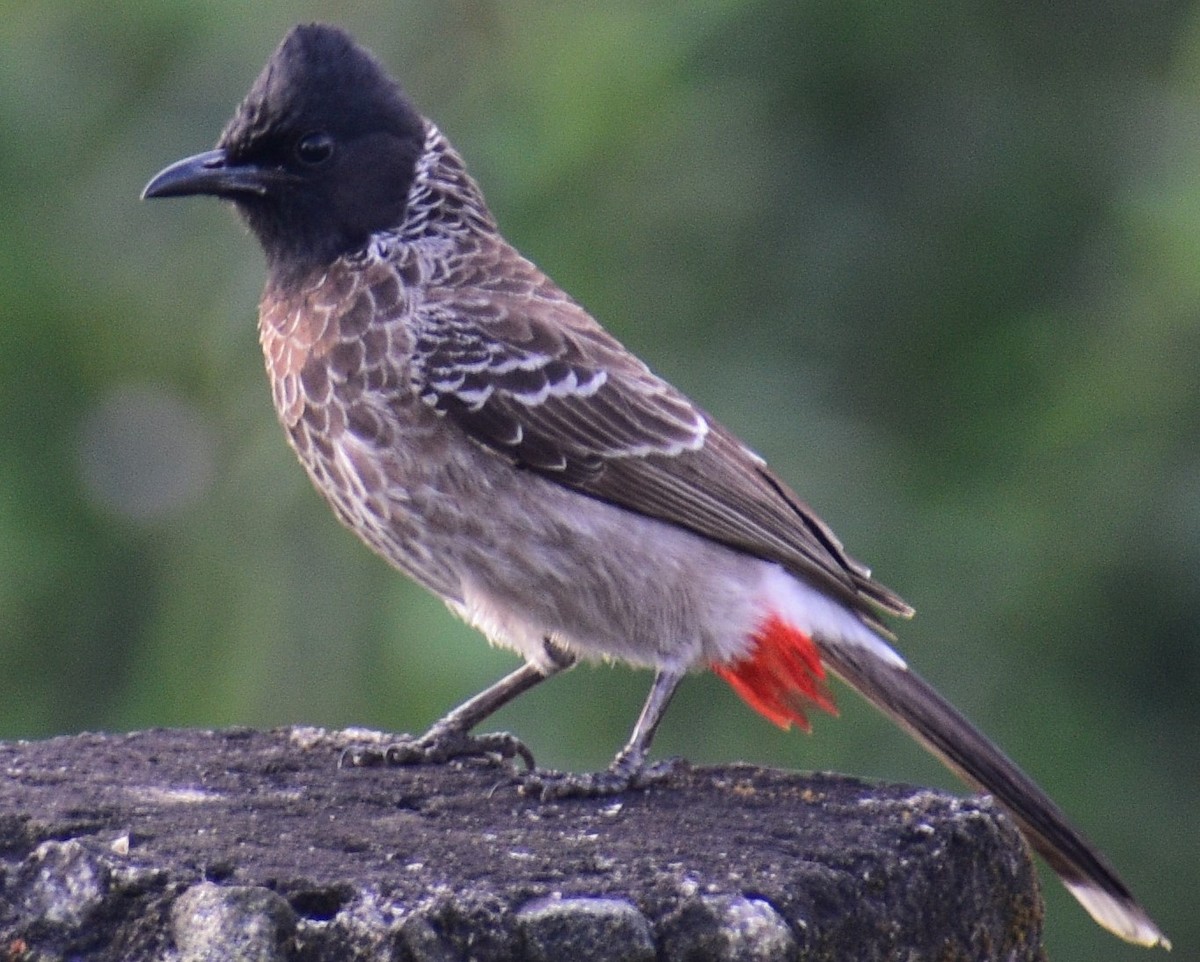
[443, 202]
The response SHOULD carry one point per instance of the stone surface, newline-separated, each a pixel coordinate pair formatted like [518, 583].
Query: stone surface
[185, 846]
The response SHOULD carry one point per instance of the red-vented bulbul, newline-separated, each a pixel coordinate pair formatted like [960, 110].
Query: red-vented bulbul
[479, 430]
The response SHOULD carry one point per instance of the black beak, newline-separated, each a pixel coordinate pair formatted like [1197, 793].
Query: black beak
[210, 173]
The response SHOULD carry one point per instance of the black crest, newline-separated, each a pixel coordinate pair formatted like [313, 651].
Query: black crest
[336, 141]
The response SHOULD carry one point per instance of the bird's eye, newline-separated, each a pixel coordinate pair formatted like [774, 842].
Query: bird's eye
[314, 149]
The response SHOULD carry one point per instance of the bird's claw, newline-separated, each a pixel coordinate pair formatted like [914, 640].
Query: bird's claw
[617, 778]
[438, 746]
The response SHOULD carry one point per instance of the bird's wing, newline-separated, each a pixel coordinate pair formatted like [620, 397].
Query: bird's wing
[527, 373]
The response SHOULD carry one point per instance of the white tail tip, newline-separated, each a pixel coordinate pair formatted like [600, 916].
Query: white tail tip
[1127, 921]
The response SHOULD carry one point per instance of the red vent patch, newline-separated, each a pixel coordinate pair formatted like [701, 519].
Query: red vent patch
[782, 675]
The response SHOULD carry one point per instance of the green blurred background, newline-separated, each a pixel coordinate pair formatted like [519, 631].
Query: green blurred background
[938, 261]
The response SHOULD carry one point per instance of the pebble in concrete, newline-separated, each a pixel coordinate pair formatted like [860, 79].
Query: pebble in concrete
[249, 923]
[67, 885]
[596, 929]
[729, 928]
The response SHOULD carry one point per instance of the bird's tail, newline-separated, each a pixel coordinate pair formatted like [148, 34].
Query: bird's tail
[784, 672]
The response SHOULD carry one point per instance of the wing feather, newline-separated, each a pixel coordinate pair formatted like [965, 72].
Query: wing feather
[527, 373]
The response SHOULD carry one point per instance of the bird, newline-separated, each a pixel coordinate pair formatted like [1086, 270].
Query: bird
[479, 430]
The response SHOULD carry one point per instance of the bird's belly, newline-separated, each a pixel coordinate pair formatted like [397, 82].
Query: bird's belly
[546, 561]
[523, 558]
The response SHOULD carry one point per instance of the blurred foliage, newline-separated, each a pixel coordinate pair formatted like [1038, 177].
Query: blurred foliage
[937, 261]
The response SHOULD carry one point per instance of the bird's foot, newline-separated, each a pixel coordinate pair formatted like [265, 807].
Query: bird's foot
[622, 775]
[440, 745]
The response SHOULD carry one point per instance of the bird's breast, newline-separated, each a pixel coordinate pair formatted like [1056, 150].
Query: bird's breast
[339, 336]
[338, 357]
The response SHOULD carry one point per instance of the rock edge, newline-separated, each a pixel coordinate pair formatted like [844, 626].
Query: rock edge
[190, 846]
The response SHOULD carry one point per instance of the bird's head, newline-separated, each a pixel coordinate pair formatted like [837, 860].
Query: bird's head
[320, 154]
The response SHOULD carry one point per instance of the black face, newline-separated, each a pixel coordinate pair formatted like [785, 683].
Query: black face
[320, 154]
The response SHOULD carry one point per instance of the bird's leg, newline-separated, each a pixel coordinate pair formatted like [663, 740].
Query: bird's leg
[449, 737]
[629, 768]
